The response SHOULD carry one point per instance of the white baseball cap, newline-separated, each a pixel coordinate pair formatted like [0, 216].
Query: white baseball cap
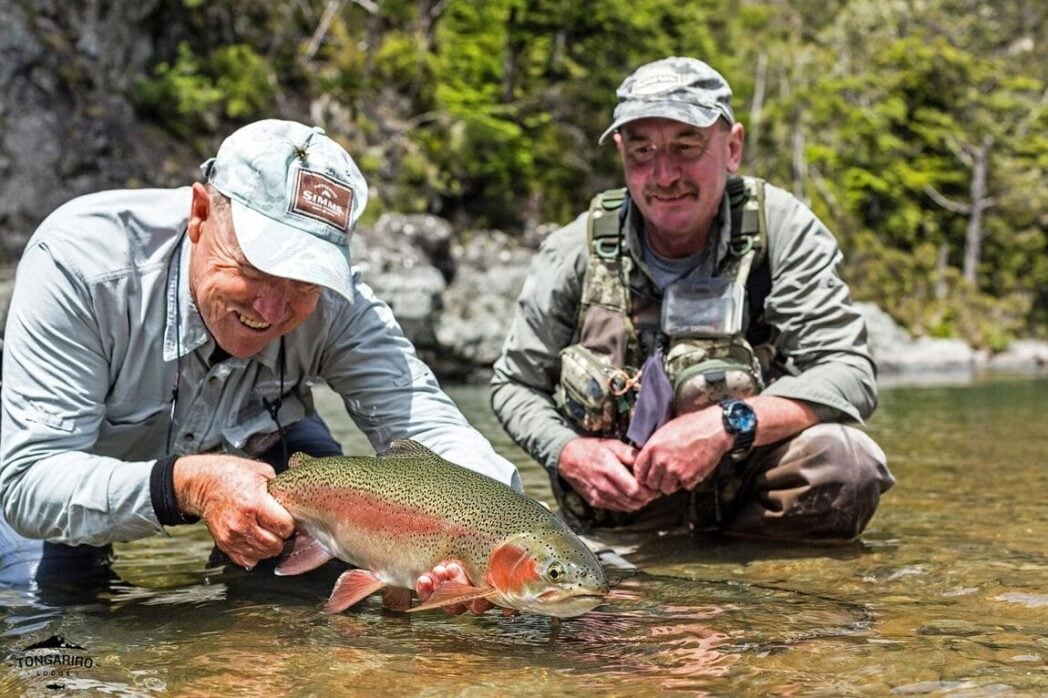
[295, 196]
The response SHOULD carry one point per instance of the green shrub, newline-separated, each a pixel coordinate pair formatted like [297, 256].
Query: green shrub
[197, 92]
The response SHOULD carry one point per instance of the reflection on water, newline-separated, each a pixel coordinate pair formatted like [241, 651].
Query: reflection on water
[946, 593]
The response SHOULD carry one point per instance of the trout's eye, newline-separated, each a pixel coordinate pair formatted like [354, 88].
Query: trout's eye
[555, 572]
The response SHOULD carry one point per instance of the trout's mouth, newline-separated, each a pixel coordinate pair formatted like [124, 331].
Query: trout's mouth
[559, 595]
[567, 603]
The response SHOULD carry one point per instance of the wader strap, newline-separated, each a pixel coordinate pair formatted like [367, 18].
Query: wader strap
[758, 286]
[749, 228]
[607, 272]
[603, 226]
[747, 258]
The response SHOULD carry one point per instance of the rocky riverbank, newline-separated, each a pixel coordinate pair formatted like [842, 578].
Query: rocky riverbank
[454, 300]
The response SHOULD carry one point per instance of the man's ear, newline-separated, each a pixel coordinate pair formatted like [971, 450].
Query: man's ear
[736, 138]
[199, 209]
[620, 145]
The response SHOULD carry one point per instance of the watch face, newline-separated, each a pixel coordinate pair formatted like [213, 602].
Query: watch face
[741, 417]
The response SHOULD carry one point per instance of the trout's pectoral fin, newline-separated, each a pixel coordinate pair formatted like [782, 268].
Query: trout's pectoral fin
[451, 593]
[351, 587]
[306, 553]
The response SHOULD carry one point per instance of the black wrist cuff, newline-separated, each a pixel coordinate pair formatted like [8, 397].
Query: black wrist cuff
[162, 493]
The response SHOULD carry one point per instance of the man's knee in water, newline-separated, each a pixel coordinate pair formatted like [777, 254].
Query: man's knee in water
[847, 472]
[823, 485]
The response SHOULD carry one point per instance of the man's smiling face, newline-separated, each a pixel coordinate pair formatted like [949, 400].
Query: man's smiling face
[676, 175]
[243, 308]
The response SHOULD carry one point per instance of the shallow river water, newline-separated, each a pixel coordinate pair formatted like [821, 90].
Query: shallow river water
[946, 594]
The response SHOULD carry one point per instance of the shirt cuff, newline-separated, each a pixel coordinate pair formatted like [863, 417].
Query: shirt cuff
[162, 493]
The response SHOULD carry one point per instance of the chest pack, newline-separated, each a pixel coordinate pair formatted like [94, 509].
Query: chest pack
[708, 337]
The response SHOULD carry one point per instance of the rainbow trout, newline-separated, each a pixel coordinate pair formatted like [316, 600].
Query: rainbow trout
[396, 516]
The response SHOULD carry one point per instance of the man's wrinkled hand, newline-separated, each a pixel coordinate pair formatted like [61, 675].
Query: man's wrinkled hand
[683, 452]
[450, 571]
[230, 495]
[600, 471]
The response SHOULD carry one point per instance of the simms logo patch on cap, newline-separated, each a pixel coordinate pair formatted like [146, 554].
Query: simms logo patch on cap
[656, 82]
[320, 197]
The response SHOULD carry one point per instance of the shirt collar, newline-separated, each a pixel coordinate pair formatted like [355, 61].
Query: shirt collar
[185, 331]
[721, 231]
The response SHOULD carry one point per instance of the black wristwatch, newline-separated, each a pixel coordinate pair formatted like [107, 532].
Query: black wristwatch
[741, 422]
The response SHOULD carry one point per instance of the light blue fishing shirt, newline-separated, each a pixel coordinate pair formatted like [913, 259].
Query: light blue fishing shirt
[91, 352]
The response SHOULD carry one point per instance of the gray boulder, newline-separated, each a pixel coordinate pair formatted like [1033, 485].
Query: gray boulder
[65, 126]
[453, 300]
[895, 351]
[478, 304]
[398, 257]
[1021, 355]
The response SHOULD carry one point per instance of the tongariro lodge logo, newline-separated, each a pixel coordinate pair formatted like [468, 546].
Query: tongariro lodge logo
[52, 658]
[55, 642]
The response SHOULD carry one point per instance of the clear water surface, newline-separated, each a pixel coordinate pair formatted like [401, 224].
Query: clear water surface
[946, 594]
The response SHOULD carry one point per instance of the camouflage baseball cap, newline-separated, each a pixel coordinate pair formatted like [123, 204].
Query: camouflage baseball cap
[295, 195]
[682, 89]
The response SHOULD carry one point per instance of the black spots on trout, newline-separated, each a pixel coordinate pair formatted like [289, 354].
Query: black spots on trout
[410, 475]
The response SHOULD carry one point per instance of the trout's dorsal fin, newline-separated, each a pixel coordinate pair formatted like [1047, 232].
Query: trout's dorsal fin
[407, 448]
[297, 459]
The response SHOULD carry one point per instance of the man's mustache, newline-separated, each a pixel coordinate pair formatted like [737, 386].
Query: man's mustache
[671, 192]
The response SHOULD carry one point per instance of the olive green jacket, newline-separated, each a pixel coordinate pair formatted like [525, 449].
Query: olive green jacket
[818, 333]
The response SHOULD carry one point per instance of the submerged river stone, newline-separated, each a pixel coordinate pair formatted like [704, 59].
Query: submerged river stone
[957, 628]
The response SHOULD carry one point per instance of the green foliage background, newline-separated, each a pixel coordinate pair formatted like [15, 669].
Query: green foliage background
[878, 113]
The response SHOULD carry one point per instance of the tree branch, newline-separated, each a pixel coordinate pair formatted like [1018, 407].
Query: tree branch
[948, 204]
[321, 31]
[438, 9]
[820, 185]
[331, 10]
[1035, 113]
[369, 5]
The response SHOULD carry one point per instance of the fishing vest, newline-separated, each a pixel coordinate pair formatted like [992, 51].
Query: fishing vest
[620, 322]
